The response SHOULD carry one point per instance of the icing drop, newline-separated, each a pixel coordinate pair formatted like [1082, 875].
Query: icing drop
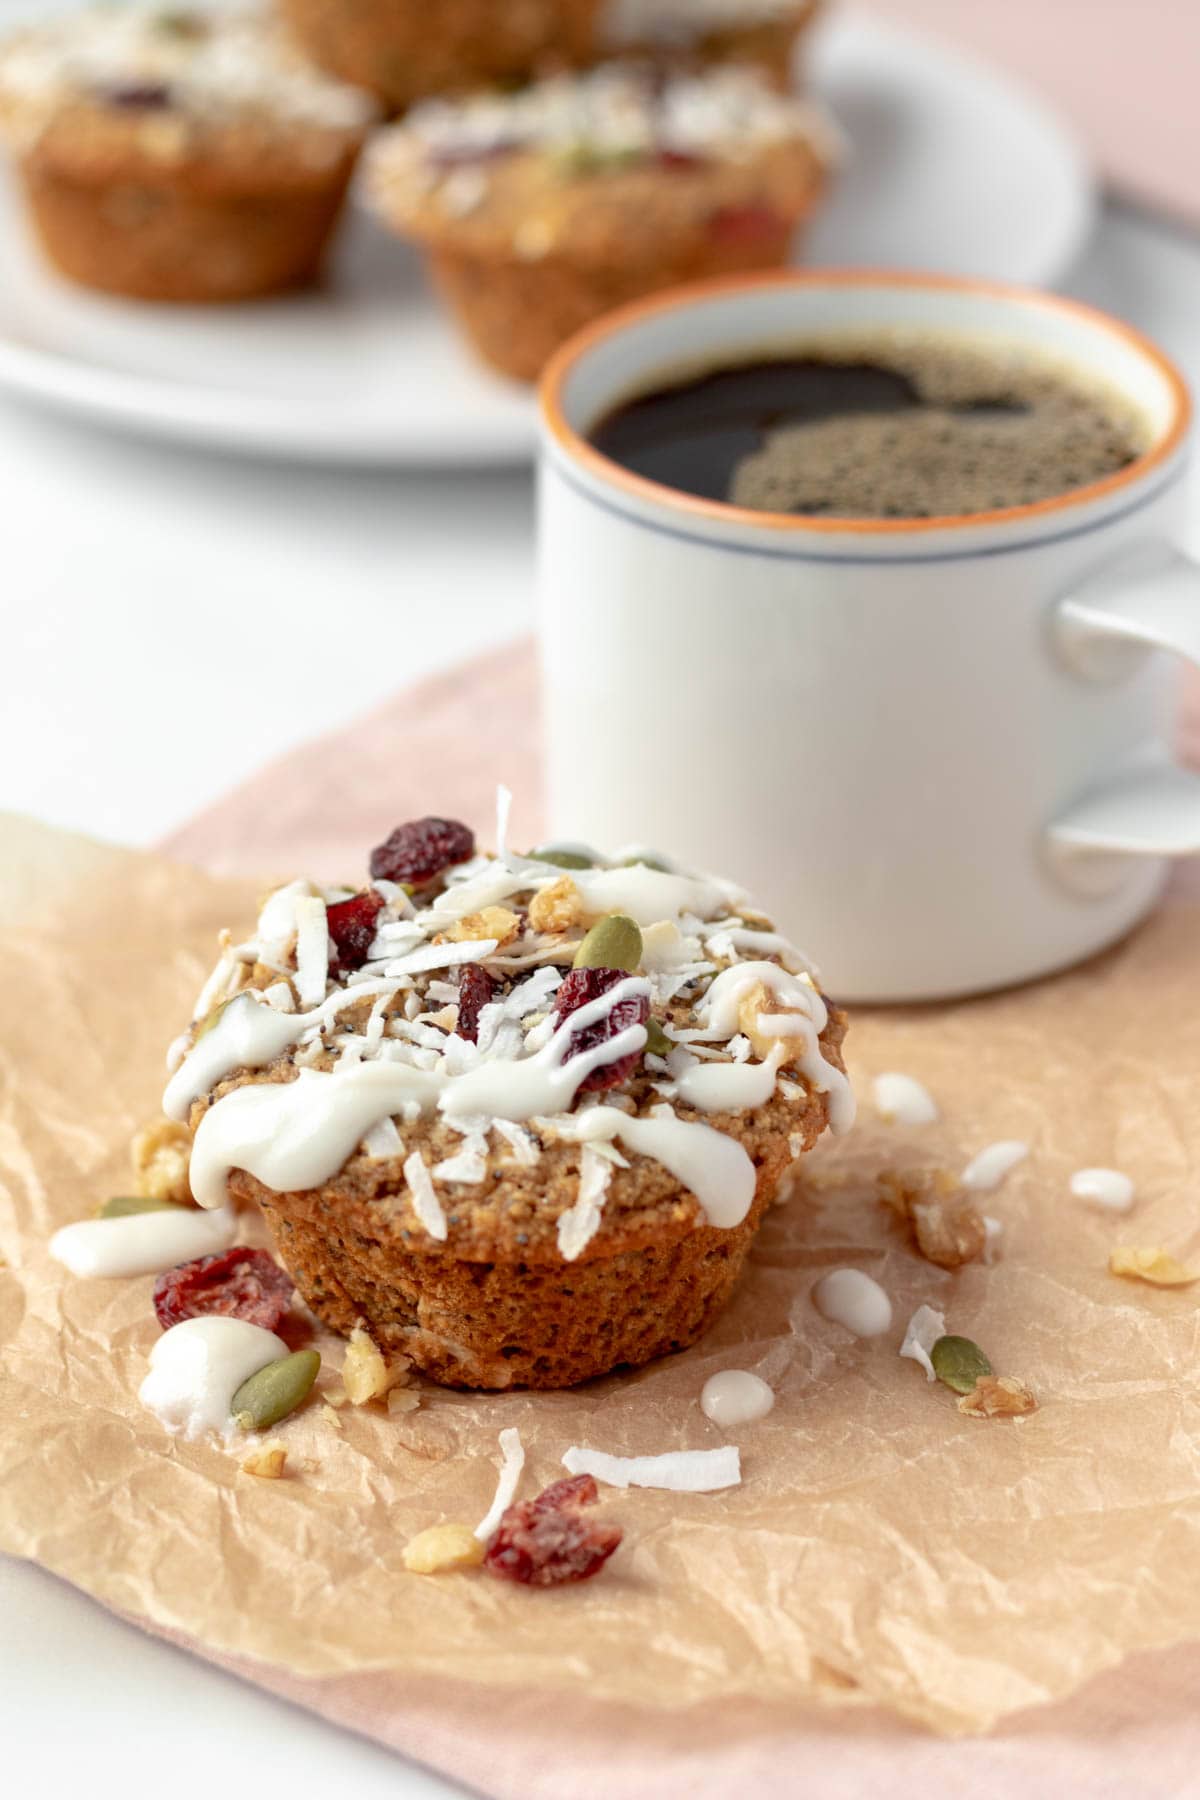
[987, 1170]
[142, 1243]
[197, 1367]
[850, 1298]
[735, 1397]
[1108, 1188]
[902, 1100]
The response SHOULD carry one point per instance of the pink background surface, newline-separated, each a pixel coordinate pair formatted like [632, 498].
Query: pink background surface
[1133, 1734]
[1124, 72]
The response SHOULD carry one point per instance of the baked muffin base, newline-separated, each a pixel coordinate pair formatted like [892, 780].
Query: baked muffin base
[516, 314]
[164, 239]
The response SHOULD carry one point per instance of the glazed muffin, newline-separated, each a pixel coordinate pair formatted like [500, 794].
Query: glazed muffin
[765, 34]
[521, 1116]
[408, 50]
[177, 156]
[541, 210]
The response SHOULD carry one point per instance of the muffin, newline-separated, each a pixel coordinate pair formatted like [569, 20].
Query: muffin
[408, 50]
[541, 210]
[521, 1116]
[764, 33]
[177, 156]
[405, 50]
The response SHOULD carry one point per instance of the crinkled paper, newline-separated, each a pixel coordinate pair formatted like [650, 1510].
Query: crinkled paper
[882, 1546]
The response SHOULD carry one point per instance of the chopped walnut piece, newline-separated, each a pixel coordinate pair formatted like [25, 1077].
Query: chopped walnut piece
[949, 1230]
[442, 1548]
[1156, 1266]
[160, 1153]
[366, 1375]
[758, 1000]
[557, 908]
[493, 922]
[269, 1461]
[998, 1397]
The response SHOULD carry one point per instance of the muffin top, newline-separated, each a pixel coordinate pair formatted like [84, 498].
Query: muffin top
[574, 158]
[172, 81]
[466, 1014]
[671, 22]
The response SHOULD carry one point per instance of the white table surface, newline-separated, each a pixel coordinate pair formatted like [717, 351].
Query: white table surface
[170, 622]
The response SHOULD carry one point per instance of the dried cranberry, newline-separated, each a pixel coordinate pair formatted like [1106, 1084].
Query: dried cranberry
[578, 987]
[680, 160]
[475, 990]
[352, 927]
[747, 225]
[143, 96]
[233, 1284]
[547, 1541]
[418, 851]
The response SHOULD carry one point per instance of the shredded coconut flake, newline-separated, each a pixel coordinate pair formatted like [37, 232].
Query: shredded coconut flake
[442, 956]
[513, 1453]
[679, 1471]
[312, 950]
[925, 1327]
[279, 995]
[426, 1204]
[578, 1226]
[383, 1140]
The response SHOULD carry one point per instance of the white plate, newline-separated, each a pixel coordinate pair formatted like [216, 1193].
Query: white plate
[951, 169]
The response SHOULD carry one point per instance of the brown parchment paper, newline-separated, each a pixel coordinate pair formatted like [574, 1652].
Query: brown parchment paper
[881, 1546]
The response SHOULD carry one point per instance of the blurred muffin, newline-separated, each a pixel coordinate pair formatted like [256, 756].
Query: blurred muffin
[763, 33]
[407, 50]
[177, 156]
[543, 209]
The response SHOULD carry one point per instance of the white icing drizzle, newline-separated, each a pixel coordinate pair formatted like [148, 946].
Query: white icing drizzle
[735, 1397]
[512, 1453]
[986, 1171]
[293, 1135]
[426, 1204]
[925, 1327]
[850, 1298]
[142, 1243]
[901, 1100]
[646, 895]
[806, 1018]
[579, 1225]
[731, 1087]
[247, 1035]
[679, 1471]
[1108, 1188]
[715, 1168]
[197, 1367]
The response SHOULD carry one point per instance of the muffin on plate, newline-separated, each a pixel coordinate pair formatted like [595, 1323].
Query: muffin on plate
[763, 33]
[408, 50]
[541, 210]
[178, 156]
[521, 1116]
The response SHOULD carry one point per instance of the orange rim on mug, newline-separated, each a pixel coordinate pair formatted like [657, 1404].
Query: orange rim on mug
[562, 364]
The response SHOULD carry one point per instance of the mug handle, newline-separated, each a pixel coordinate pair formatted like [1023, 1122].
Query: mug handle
[1101, 632]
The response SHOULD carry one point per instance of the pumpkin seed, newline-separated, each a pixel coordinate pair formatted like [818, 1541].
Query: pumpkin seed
[959, 1363]
[613, 942]
[275, 1391]
[121, 1206]
[646, 860]
[657, 1041]
[562, 859]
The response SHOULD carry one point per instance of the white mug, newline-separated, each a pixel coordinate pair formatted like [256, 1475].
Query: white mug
[936, 749]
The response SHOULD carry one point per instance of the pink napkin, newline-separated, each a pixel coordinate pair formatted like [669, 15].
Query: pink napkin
[1122, 71]
[441, 748]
